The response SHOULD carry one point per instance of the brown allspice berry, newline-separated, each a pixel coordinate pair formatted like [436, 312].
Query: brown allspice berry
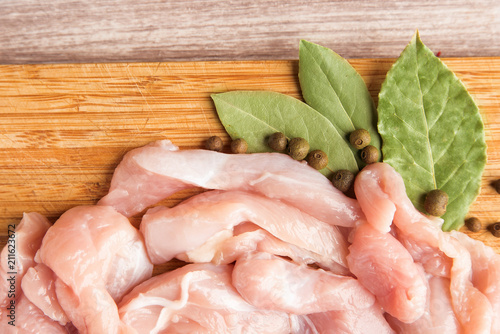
[317, 159]
[369, 154]
[473, 224]
[494, 229]
[436, 202]
[239, 146]
[298, 148]
[360, 138]
[214, 143]
[496, 185]
[277, 141]
[343, 180]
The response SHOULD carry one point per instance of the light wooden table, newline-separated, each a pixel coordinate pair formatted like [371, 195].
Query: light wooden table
[64, 31]
[34, 31]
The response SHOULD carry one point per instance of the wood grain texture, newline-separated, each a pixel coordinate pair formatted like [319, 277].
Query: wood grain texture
[34, 31]
[65, 127]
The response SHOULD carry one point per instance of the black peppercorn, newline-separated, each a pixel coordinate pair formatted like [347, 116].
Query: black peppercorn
[214, 143]
[317, 159]
[496, 185]
[473, 224]
[343, 180]
[436, 202]
[359, 138]
[298, 148]
[495, 229]
[277, 141]
[369, 154]
[239, 146]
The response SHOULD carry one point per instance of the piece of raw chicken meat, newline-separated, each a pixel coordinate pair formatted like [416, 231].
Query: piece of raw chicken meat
[97, 257]
[424, 236]
[197, 220]
[273, 283]
[379, 189]
[39, 286]
[387, 270]
[15, 307]
[31, 320]
[438, 317]
[359, 321]
[151, 173]
[17, 258]
[199, 298]
[485, 272]
[227, 246]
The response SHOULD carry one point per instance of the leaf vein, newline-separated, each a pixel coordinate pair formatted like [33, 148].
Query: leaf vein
[443, 108]
[424, 117]
[459, 166]
[249, 114]
[330, 83]
[411, 155]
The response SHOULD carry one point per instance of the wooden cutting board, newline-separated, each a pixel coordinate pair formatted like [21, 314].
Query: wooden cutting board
[64, 128]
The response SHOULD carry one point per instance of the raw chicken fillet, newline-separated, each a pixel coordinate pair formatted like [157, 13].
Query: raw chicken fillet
[270, 247]
[151, 173]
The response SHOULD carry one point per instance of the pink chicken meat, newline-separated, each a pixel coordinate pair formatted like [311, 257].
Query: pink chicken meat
[472, 308]
[485, 272]
[97, 257]
[227, 246]
[31, 320]
[272, 283]
[28, 238]
[384, 267]
[438, 318]
[198, 298]
[39, 287]
[194, 222]
[25, 316]
[151, 173]
[359, 321]
[387, 270]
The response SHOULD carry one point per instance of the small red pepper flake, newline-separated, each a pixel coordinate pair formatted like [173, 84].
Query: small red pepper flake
[438, 54]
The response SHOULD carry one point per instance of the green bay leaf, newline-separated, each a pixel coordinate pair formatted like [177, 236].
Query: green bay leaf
[255, 115]
[334, 88]
[432, 131]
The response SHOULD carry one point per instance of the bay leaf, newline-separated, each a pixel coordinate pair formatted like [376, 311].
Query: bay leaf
[432, 131]
[335, 89]
[255, 115]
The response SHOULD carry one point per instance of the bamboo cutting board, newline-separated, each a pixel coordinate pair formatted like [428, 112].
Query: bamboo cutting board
[64, 128]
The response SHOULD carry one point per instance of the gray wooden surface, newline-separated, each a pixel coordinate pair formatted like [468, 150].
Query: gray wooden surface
[38, 31]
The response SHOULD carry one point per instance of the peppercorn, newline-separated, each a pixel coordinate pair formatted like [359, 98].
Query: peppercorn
[369, 154]
[473, 224]
[239, 146]
[496, 184]
[436, 202]
[214, 143]
[277, 141]
[359, 138]
[495, 229]
[298, 148]
[317, 159]
[343, 180]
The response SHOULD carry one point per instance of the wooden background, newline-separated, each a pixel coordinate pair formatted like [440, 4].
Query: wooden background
[37, 31]
[65, 127]
[152, 31]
